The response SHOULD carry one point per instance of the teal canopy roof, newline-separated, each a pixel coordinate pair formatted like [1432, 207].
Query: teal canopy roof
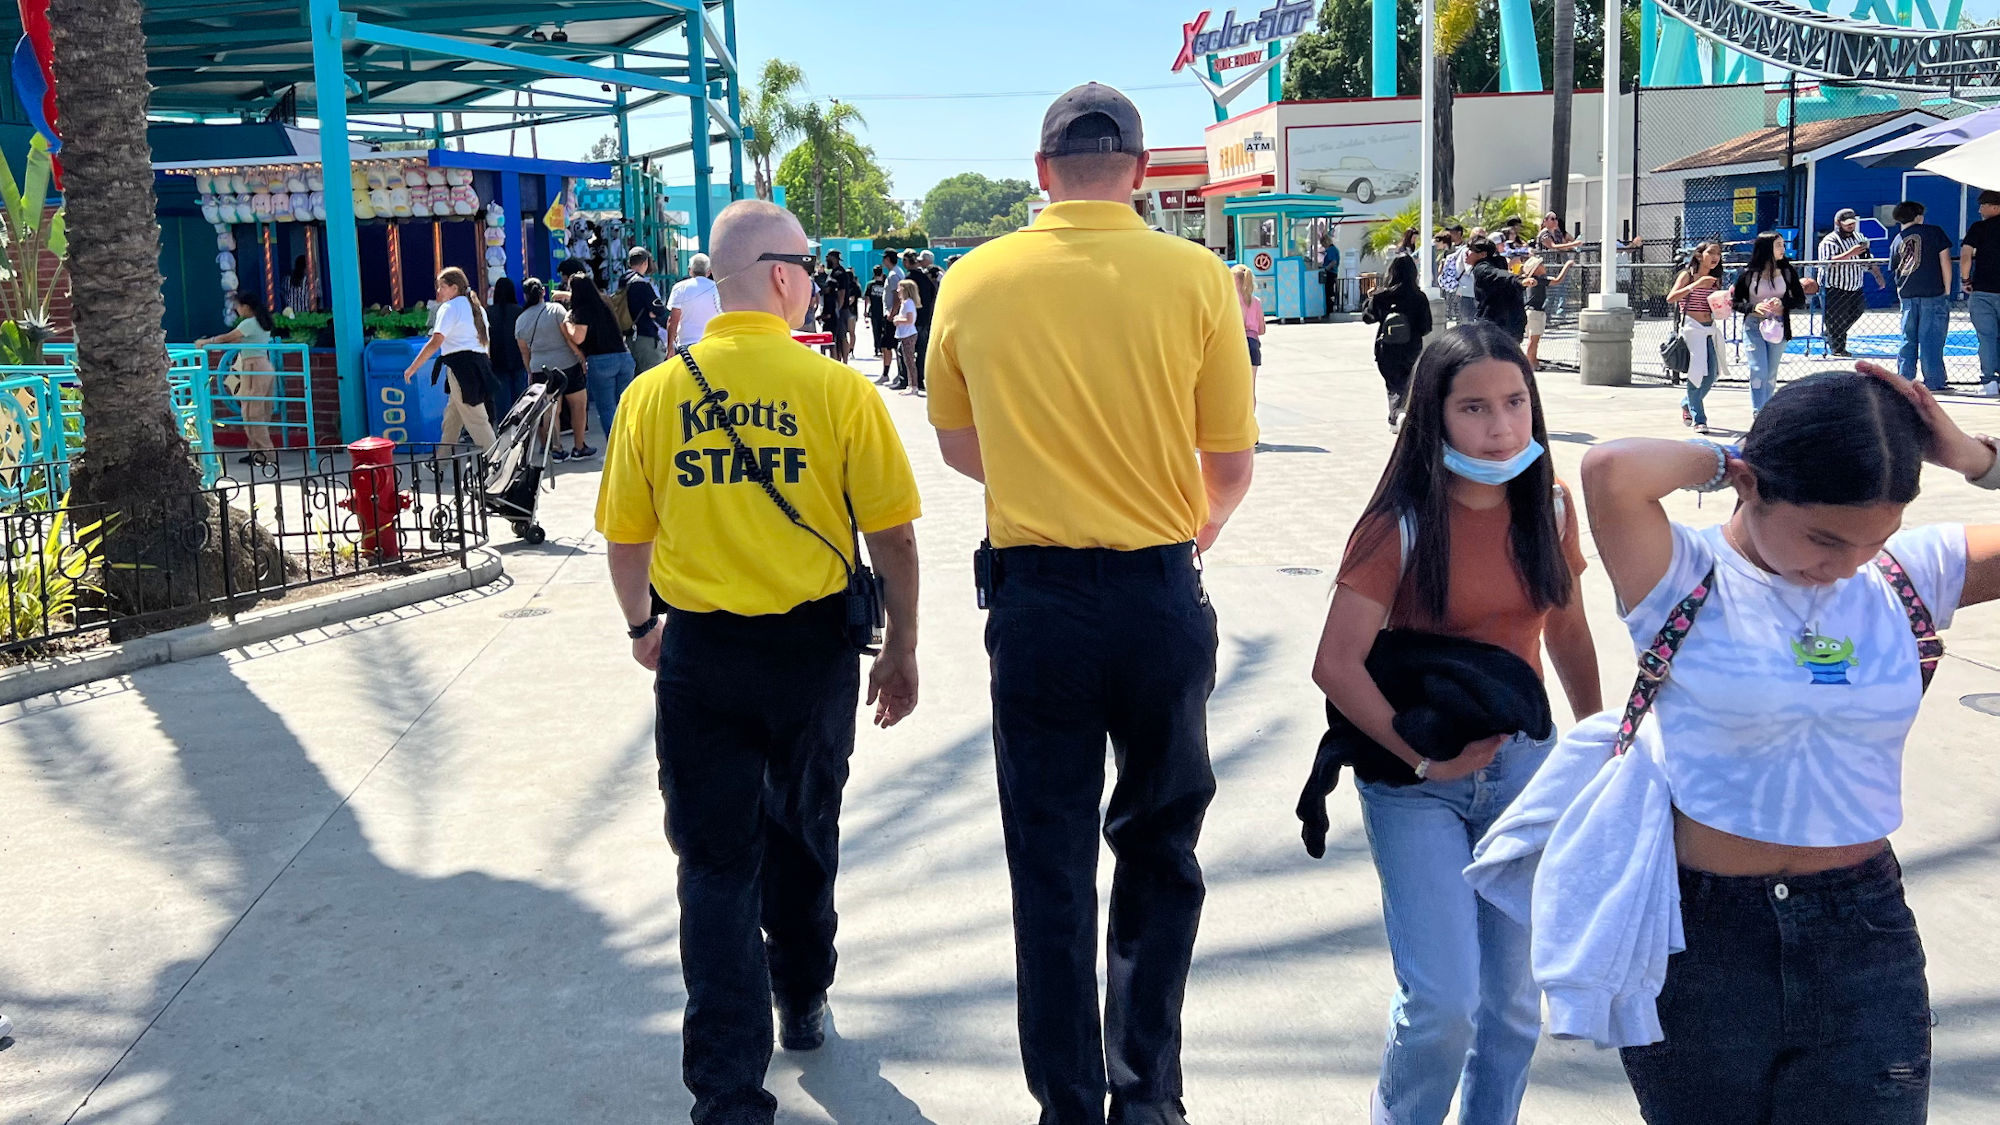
[1289, 206]
[244, 57]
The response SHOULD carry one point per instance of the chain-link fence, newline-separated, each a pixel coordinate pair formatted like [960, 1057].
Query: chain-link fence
[1816, 345]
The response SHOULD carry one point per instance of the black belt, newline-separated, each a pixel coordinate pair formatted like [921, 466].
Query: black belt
[1101, 562]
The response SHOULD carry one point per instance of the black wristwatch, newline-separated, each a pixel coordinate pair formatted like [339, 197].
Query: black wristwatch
[642, 628]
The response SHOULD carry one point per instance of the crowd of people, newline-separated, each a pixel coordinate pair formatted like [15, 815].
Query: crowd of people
[1100, 386]
[1505, 279]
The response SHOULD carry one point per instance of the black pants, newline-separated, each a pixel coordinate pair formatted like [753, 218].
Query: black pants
[756, 725]
[1085, 645]
[1800, 1000]
[923, 353]
[1843, 308]
[1396, 363]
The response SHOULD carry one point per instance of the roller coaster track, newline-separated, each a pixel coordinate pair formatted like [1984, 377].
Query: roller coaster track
[1825, 46]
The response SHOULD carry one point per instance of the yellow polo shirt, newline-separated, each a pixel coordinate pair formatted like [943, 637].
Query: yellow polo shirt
[672, 479]
[1095, 355]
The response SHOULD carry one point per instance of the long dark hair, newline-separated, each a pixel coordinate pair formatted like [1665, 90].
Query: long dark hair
[1693, 268]
[1402, 274]
[1837, 438]
[258, 312]
[503, 291]
[1764, 256]
[1417, 483]
[1764, 260]
[588, 308]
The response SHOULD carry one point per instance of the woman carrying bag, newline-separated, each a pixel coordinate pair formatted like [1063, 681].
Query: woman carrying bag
[1765, 293]
[1799, 639]
[458, 341]
[1468, 535]
[1698, 331]
[1401, 315]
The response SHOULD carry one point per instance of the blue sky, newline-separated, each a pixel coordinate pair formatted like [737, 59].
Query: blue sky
[893, 57]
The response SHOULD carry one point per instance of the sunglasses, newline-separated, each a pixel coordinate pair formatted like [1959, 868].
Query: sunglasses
[803, 261]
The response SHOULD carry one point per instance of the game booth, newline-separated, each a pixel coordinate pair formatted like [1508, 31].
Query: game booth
[1276, 236]
[257, 224]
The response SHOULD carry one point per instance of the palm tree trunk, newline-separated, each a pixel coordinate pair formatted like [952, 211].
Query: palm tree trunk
[136, 461]
[1444, 154]
[1565, 95]
[819, 182]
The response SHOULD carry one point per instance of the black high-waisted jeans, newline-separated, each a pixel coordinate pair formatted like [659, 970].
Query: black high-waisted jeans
[1800, 1000]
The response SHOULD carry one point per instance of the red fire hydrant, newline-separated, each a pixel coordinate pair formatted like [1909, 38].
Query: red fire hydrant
[376, 501]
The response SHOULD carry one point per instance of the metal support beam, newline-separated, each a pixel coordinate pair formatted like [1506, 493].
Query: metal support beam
[704, 206]
[735, 98]
[446, 47]
[1520, 56]
[343, 247]
[1382, 47]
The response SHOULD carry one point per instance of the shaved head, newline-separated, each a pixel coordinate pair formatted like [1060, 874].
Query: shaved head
[744, 231]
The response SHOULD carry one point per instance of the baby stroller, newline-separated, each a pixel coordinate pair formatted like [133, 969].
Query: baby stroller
[520, 455]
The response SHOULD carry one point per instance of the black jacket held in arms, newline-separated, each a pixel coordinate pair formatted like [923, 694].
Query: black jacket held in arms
[1447, 692]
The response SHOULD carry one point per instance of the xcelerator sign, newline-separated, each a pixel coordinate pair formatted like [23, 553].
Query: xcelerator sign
[1279, 21]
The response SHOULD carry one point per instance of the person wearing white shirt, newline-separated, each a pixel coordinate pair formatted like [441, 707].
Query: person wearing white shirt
[691, 305]
[1808, 633]
[458, 341]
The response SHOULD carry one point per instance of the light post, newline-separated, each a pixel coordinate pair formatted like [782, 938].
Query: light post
[1427, 154]
[1604, 330]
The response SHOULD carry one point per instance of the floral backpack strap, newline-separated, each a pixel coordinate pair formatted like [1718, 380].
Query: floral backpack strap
[1657, 660]
[1930, 647]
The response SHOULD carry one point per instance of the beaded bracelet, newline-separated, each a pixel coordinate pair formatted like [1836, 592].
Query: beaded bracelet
[1991, 479]
[1720, 480]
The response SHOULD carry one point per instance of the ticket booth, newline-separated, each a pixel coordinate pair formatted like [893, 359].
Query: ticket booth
[1276, 236]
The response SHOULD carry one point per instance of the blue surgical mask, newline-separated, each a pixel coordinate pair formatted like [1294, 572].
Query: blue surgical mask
[1482, 471]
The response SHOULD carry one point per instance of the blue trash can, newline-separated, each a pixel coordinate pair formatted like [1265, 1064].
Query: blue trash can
[409, 414]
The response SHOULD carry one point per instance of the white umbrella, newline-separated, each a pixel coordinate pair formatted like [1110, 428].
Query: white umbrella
[1975, 162]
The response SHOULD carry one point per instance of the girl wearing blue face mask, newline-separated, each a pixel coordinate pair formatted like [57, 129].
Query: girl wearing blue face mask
[1469, 534]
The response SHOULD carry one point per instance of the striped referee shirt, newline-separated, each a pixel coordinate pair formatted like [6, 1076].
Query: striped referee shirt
[1840, 275]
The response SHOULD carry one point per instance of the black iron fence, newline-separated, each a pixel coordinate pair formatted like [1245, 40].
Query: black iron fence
[73, 574]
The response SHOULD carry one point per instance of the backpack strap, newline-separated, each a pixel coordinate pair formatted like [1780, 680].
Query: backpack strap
[1930, 647]
[1657, 660]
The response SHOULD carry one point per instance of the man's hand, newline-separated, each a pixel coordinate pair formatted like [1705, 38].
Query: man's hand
[1206, 537]
[892, 685]
[646, 650]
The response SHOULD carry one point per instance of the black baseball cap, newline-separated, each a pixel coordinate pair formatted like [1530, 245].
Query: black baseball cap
[1093, 118]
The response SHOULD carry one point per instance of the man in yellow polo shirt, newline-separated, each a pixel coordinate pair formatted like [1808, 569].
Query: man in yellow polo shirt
[757, 671]
[1093, 373]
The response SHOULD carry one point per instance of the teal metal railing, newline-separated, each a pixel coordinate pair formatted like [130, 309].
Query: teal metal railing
[41, 412]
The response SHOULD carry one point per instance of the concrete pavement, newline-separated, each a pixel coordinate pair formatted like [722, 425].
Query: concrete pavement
[410, 869]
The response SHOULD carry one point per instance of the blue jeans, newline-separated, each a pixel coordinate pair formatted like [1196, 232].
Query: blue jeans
[1925, 320]
[1764, 357]
[1986, 325]
[1466, 1012]
[1703, 366]
[606, 377]
[1800, 1000]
